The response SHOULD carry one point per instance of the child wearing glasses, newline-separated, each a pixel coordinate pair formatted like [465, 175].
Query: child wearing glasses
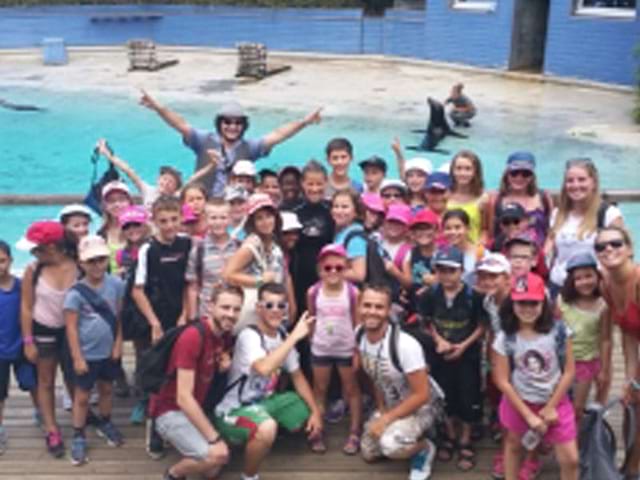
[333, 302]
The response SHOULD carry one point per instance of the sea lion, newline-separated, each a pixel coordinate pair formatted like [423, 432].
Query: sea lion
[19, 107]
[437, 129]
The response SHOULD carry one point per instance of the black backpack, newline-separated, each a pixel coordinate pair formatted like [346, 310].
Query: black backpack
[93, 199]
[134, 323]
[376, 273]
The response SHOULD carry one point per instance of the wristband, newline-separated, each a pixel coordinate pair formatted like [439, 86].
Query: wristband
[215, 440]
[635, 384]
[28, 340]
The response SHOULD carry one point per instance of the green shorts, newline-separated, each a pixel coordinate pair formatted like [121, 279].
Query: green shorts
[240, 425]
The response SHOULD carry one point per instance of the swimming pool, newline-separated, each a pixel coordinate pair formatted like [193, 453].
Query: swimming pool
[49, 152]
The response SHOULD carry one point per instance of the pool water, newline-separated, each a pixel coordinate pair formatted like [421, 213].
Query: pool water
[49, 152]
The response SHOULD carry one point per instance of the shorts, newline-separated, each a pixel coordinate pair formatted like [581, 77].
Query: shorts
[587, 370]
[562, 432]
[50, 342]
[400, 435]
[177, 429]
[23, 370]
[241, 424]
[328, 361]
[99, 370]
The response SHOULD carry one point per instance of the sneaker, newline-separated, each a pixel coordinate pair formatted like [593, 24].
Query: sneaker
[168, 476]
[335, 412]
[3, 440]
[79, 451]
[110, 433]
[154, 442]
[55, 445]
[67, 402]
[530, 469]
[138, 413]
[421, 462]
[497, 472]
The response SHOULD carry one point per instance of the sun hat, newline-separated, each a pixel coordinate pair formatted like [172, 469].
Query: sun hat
[133, 214]
[438, 180]
[115, 186]
[290, 222]
[392, 183]
[92, 246]
[74, 209]
[399, 212]
[332, 249]
[41, 233]
[521, 161]
[425, 216]
[257, 201]
[512, 210]
[448, 257]
[374, 161]
[419, 163]
[445, 168]
[528, 287]
[580, 260]
[188, 215]
[372, 201]
[244, 168]
[494, 263]
[235, 192]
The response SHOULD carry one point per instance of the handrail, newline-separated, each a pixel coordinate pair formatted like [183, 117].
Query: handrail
[24, 199]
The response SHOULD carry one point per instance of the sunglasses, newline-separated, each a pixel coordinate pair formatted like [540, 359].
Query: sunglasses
[392, 195]
[528, 303]
[233, 121]
[275, 305]
[521, 173]
[333, 268]
[578, 161]
[509, 222]
[602, 246]
[96, 260]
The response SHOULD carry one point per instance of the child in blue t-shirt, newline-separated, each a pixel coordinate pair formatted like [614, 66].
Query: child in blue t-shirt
[94, 333]
[11, 354]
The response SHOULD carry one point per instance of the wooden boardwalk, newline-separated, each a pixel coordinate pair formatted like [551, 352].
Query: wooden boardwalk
[26, 457]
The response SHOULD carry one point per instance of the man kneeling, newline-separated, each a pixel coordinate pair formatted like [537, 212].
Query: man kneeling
[251, 410]
[177, 408]
[402, 388]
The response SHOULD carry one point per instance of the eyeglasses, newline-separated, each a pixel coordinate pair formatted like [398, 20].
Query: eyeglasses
[508, 222]
[602, 246]
[578, 161]
[333, 268]
[96, 260]
[521, 173]
[392, 195]
[528, 303]
[274, 305]
[233, 121]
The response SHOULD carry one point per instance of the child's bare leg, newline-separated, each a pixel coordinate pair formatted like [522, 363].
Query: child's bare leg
[351, 390]
[321, 378]
[80, 408]
[105, 398]
[567, 455]
[512, 453]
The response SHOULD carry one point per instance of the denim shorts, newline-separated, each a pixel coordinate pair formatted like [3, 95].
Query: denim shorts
[177, 429]
[99, 370]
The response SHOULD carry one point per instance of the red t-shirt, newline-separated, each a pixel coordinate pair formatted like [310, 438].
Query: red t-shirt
[189, 354]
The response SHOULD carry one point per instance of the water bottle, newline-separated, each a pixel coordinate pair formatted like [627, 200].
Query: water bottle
[531, 439]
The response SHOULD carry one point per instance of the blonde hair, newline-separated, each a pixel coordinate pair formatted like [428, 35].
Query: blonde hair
[589, 223]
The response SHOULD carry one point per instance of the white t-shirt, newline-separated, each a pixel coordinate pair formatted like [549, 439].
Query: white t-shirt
[250, 348]
[567, 244]
[376, 362]
[149, 194]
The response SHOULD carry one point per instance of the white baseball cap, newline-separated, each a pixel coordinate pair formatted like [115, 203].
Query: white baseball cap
[290, 222]
[419, 163]
[245, 168]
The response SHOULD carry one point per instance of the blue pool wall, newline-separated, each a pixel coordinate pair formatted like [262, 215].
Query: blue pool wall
[593, 48]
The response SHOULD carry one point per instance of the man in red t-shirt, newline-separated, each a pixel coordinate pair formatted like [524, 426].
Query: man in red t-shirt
[177, 408]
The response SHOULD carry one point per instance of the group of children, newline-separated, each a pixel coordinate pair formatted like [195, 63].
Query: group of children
[467, 267]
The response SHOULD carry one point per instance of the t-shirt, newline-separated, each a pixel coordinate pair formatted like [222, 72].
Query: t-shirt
[585, 325]
[243, 149]
[95, 334]
[330, 190]
[189, 353]
[536, 370]
[455, 321]
[149, 194]
[357, 246]
[161, 270]
[420, 264]
[251, 347]
[10, 332]
[377, 364]
[567, 244]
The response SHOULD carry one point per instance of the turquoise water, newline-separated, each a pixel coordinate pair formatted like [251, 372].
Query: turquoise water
[49, 152]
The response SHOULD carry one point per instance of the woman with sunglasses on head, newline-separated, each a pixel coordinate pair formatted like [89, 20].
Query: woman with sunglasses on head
[621, 291]
[518, 185]
[579, 214]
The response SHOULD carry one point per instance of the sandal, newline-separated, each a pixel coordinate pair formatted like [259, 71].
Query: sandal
[466, 457]
[446, 447]
[317, 444]
[352, 445]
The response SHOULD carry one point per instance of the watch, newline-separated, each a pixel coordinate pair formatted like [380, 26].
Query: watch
[215, 440]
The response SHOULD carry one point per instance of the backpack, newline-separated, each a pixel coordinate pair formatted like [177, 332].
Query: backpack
[93, 199]
[560, 336]
[134, 323]
[597, 442]
[351, 289]
[151, 371]
[602, 213]
[376, 272]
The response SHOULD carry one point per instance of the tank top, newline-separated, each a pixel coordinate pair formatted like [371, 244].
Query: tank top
[48, 305]
[585, 325]
[472, 209]
[628, 319]
[538, 217]
[334, 334]
[267, 260]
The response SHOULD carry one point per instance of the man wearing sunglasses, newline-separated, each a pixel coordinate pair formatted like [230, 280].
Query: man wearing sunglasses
[231, 123]
[252, 410]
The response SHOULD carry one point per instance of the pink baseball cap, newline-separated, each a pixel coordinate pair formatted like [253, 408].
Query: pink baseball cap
[332, 249]
[188, 215]
[399, 212]
[372, 201]
[132, 214]
[258, 201]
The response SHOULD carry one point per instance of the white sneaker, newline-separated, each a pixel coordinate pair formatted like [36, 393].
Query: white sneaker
[67, 403]
[421, 462]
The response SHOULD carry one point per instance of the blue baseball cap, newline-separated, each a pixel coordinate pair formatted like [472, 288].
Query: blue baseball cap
[521, 161]
[439, 180]
[580, 260]
[448, 257]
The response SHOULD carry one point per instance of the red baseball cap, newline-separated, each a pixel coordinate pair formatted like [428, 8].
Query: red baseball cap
[425, 216]
[41, 233]
[528, 287]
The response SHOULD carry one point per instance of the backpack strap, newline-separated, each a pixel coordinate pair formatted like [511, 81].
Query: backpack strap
[561, 343]
[353, 234]
[98, 304]
[315, 291]
[352, 292]
[546, 202]
[510, 349]
[401, 254]
[200, 263]
[394, 338]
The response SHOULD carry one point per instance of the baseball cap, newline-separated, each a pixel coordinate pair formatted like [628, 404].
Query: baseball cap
[92, 246]
[188, 215]
[392, 183]
[419, 163]
[244, 167]
[74, 209]
[258, 201]
[439, 180]
[115, 186]
[332, 249]
[521, 161]
[494, 263]
[290, 222]
[132, 214]
[580, 260]
[425, 216]
[512, 210]
[374, 161]
[41, 233]
[528, 287]
[232, 110]
[399, 212]
[372, 201]
[448, 256]
[235, 192]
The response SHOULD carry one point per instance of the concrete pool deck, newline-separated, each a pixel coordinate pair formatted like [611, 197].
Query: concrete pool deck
[376, 86]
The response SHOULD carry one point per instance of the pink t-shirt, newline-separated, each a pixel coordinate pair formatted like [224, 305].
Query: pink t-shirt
[334, 333]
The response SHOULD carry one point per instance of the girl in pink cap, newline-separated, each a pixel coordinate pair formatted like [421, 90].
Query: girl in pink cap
[115, 198]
